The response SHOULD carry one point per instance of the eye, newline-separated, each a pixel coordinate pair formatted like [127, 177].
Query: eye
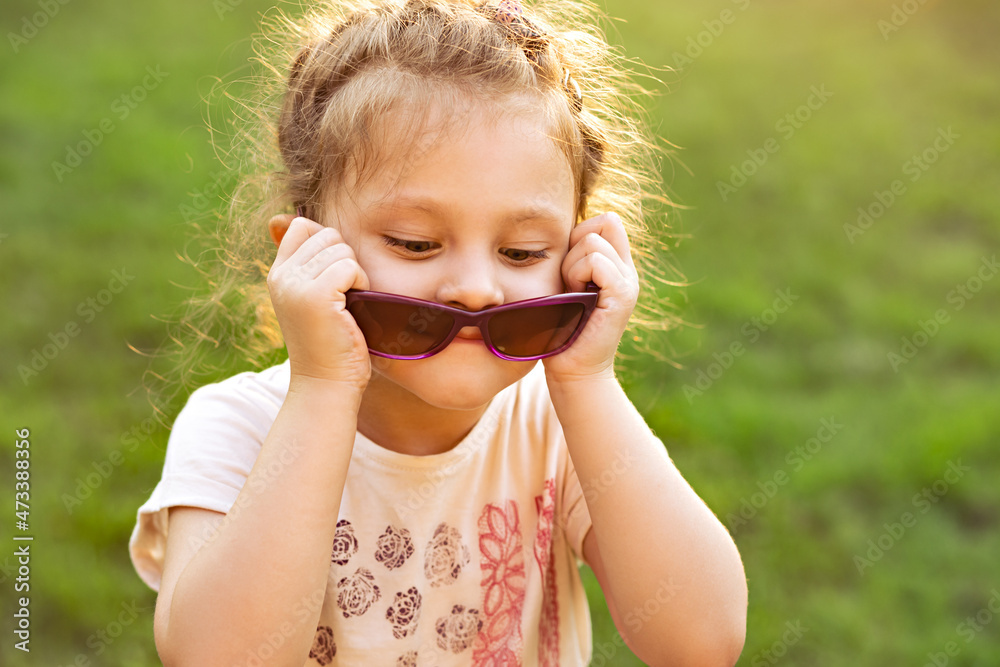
[414, 247]
[521, 256]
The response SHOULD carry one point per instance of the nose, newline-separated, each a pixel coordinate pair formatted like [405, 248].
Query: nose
[471, 285]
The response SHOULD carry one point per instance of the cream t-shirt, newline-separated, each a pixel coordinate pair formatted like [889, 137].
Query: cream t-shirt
[469, 557]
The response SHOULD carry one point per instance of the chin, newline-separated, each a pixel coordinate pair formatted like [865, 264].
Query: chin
[455, 379]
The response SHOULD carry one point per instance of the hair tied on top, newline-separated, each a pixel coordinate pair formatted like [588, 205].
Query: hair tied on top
[510, 14]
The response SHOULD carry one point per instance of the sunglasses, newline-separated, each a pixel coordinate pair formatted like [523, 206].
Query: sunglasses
[400, 327]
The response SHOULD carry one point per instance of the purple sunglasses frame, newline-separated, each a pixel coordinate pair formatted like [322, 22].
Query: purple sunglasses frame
[481, 318]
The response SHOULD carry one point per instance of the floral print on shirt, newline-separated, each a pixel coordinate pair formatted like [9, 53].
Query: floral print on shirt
[457, 630]
[404, 613]
[323, 648]
[394, 547]
[357, 592]
[493, 628]
[345, 544]
[548, 627]
[445, 556]
[503, 582]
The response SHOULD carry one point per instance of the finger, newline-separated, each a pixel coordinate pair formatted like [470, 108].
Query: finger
[299, 231]
[325, 238]
[603, 270]
[343, 275]
[590, 244]
[609, 226]
[310, 259]
[324, 257]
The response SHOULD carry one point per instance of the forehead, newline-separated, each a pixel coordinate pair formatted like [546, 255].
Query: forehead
[474, 161]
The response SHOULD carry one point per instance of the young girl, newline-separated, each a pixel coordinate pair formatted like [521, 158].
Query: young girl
[411, 487]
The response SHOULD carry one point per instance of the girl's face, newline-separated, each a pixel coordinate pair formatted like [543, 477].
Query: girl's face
[472, 219]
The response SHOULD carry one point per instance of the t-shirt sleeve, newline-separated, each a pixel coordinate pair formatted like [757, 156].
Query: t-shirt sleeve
[212, 447]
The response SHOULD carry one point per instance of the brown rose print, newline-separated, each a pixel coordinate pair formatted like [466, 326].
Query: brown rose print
[323, 648]
[357, 592]
[408, 659]
[445, 556]
[404, 612]
[457, 631]
[344, 543]
[394, 547]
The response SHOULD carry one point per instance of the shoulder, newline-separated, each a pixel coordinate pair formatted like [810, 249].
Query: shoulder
[249, 393]
[266, 386]
[213, 444]
[233, 414]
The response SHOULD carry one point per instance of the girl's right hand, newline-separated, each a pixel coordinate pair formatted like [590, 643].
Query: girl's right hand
[307, 282]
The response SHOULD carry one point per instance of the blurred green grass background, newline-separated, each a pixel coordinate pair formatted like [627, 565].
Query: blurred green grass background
[804, 503]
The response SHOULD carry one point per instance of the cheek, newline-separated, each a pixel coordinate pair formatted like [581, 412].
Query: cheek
[384, 274]
[557, 267]
[556, 281]
[546, 280]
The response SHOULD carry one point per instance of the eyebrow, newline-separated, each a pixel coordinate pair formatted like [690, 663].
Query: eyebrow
[531, 215]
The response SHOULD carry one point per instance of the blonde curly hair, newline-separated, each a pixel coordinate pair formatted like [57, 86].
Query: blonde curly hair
[338, 69]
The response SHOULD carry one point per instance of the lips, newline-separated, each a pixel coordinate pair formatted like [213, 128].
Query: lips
[469, 333]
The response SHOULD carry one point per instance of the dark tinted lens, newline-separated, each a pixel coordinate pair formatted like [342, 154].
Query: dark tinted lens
[400, 329]
[528, 332]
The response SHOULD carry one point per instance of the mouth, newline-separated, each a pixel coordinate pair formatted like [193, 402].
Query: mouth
[469, 333]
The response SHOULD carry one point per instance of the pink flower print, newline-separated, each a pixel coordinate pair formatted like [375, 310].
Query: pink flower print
[344, 543]
[457, 630]
[445, 556]
[404, 613]
[548, 627]
[394, 547]
[357, 592]
[503, 582]
[545, 505]
[323, 648]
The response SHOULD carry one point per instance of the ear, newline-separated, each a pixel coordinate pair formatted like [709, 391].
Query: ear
[278, 225]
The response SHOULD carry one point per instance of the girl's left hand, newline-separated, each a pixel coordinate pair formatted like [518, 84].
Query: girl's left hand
[599, 252]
